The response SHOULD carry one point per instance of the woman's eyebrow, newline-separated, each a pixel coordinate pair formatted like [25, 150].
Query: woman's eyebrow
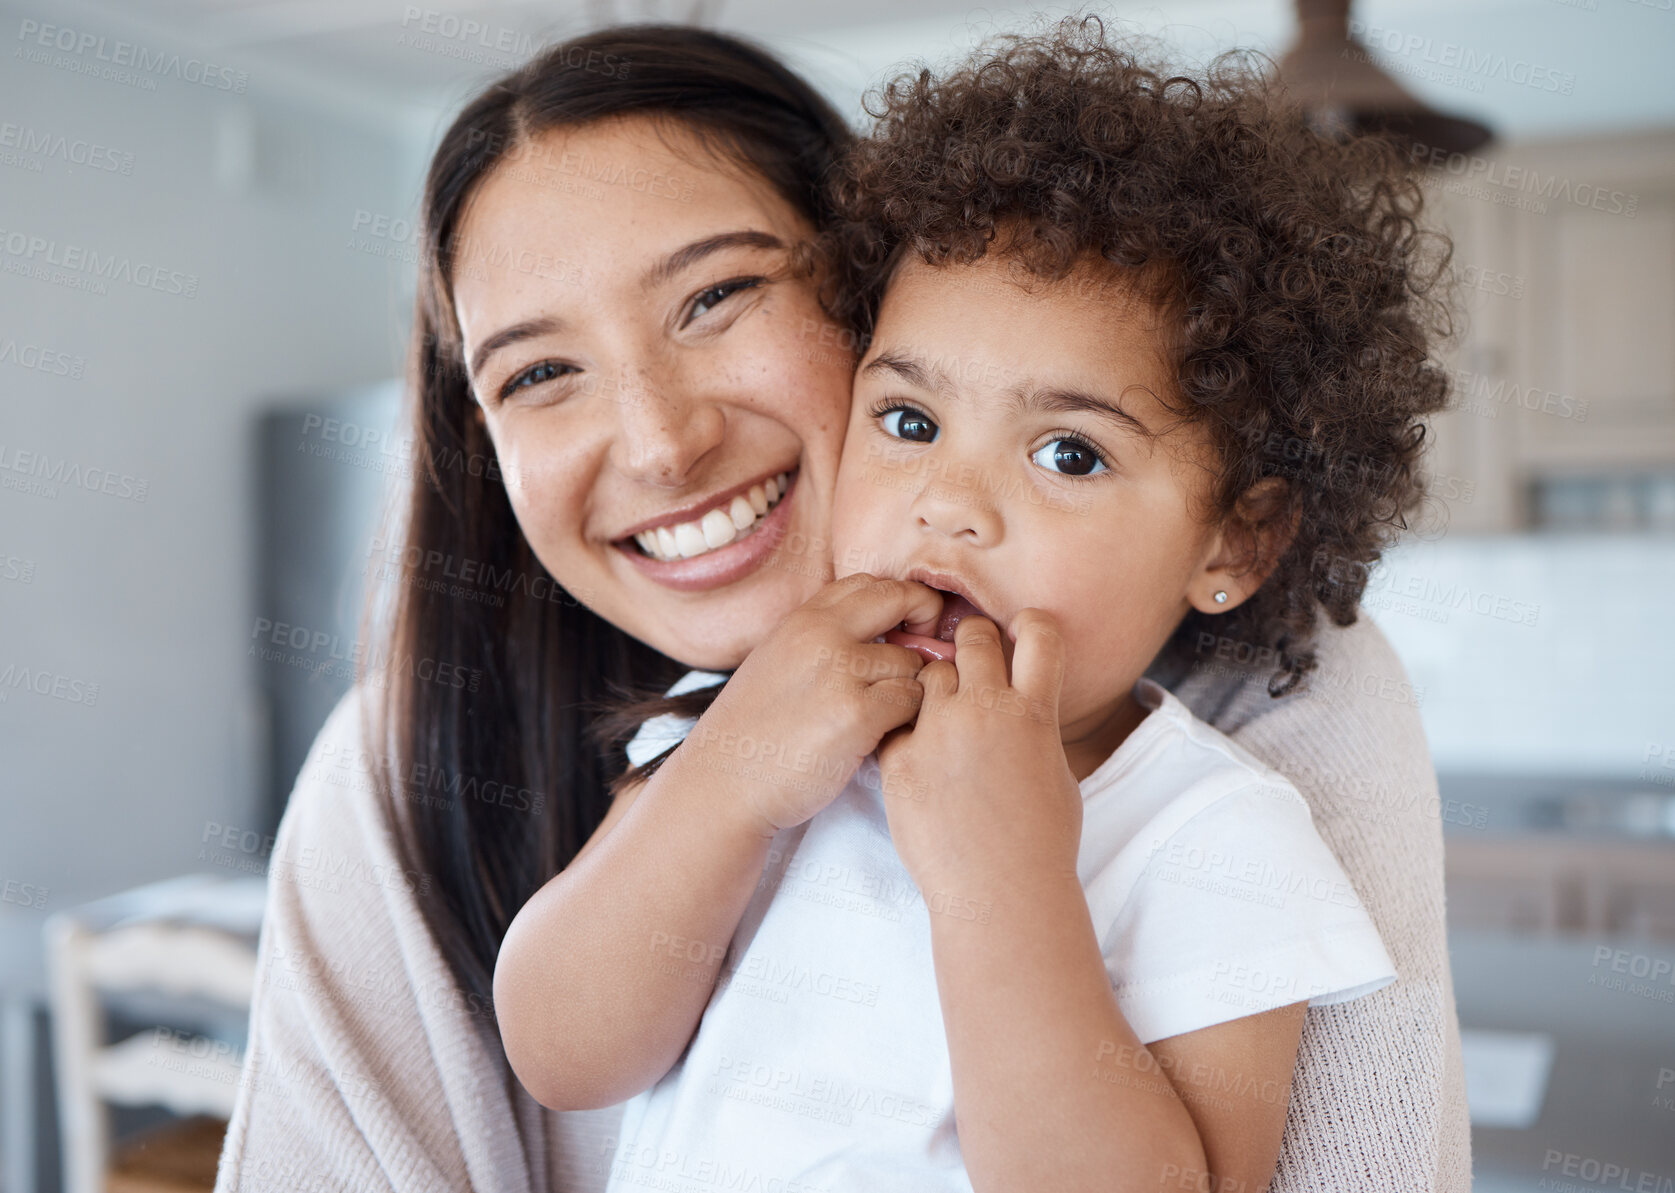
[682, 258]
[506, 336]
[688, 255]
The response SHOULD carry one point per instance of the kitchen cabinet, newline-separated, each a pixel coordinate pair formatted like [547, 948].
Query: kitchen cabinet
[1564, 255]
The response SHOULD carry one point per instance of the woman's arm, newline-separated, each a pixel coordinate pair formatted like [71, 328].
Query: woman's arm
[366, 1068]
[1379, 1098]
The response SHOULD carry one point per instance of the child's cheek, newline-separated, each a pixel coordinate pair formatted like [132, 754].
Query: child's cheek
[856, 540]
[848, 522]
[857, 516]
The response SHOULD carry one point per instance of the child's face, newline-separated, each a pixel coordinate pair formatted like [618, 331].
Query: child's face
[979, 459]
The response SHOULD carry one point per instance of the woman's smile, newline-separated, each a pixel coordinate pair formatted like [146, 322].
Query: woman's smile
[717, 540]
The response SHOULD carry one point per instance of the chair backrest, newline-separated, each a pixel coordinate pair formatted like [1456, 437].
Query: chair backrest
[191, 939]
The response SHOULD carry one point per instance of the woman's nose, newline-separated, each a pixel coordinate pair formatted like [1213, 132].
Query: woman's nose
[663, 430]
[966, 512]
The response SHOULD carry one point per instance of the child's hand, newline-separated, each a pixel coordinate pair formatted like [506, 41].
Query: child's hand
[978, 792]
[812, 701]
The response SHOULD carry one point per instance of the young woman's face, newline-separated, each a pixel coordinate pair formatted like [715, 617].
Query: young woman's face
[652, 374]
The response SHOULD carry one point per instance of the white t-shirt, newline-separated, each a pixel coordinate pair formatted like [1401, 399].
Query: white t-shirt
[821, 1062]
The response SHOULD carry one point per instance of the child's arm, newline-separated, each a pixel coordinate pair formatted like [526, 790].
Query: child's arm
[606, 971]
[1046, 1069]
[1052, 1088]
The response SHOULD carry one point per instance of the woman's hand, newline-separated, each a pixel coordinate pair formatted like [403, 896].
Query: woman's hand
[978, 793]
[813, 700]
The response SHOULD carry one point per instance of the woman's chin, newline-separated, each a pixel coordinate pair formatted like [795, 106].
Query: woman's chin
[717, 633]
[707, 648]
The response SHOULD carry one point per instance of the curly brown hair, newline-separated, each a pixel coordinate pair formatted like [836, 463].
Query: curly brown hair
[1303, 296]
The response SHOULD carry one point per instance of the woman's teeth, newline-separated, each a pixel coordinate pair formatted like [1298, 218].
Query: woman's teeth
[718, 527]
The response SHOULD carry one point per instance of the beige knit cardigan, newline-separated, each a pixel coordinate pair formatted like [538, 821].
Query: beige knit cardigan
[368, 1071]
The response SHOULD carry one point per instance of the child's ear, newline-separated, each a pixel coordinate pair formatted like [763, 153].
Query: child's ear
[1247, 548]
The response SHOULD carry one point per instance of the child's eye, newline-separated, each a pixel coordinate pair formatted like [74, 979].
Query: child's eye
[1072, 457]
[904, 422]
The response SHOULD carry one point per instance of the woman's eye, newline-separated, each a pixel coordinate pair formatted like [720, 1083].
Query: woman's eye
[1071, 457]
[705, 300]
[547, 370]
[911, 425]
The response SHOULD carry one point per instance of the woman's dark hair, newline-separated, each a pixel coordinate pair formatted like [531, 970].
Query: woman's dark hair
[478, 720]
[1305, 297]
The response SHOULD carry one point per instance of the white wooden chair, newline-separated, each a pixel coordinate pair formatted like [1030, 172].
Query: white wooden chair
[190, 940]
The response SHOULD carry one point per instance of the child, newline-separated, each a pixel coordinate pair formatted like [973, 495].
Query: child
[1057, 933]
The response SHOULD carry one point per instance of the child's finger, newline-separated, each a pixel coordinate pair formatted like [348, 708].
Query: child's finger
[867, 610]
[868, 662]
[836, 590]
[890, 704]
[877, 661]
[977, 655]
[891, 744]
[1038, 660]
[939, 681]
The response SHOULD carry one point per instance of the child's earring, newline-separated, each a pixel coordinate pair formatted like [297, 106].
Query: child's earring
[1221, 597]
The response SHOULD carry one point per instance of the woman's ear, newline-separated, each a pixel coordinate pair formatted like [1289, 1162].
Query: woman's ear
[1247, 548]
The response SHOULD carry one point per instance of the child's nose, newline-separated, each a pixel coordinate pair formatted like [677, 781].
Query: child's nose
[959, 511]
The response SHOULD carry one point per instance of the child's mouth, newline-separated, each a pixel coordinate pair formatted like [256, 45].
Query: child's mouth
[934, 640]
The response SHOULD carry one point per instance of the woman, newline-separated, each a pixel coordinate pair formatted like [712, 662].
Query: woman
[615, 308]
